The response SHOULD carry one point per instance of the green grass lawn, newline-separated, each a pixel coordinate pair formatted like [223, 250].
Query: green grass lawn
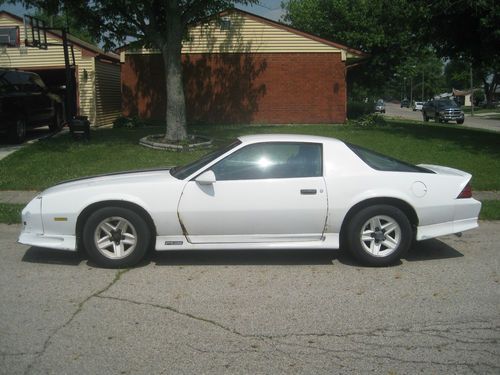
[10, 213]
[48, 161]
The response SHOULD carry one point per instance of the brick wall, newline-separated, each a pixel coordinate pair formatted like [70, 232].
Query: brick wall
[275, 88]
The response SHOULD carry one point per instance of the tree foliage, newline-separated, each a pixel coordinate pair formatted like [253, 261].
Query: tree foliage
[384, 29]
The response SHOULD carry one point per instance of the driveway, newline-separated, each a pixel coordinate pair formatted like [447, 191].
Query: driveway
[253, 312]
[394, 110]
[32, 136]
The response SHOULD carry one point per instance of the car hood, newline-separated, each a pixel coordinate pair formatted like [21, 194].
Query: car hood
[117, 178]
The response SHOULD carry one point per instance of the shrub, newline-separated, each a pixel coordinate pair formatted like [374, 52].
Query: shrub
[128, 122]
[357, 109]
[369, 121]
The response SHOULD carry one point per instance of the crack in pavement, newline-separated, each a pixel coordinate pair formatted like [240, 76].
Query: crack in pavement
[174, 310]
[79, 308]
[436, 330]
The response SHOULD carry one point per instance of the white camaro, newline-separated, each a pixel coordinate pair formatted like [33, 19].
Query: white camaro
[260, 192]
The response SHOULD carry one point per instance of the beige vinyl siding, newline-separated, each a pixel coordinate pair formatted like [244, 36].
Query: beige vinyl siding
[248, 35]
[107, 92]
[21, 57]
[86, 89]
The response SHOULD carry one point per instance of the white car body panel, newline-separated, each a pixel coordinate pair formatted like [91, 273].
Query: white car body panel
[255, 214]
[227, 210]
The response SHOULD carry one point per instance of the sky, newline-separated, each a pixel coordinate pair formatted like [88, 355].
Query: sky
[267, 8]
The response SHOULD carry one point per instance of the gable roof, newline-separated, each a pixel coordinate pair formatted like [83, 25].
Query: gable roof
[253, 34]
[87, 47]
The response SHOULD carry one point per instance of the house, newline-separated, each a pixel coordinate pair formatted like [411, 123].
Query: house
[96, 74]
[242, 68]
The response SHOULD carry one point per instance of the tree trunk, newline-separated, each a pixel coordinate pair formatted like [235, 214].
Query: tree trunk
[171, 51]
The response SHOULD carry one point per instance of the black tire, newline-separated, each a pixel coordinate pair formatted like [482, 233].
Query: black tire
[17, 131]
[120, 252]
[426, 118]
[437, 119]
[57, 122]
[460, 122]
[398, 236]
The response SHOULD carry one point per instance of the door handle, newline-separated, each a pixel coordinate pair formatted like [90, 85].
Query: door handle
[308, 191]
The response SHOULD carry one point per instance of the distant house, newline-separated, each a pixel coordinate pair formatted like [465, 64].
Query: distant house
[96, 75]
[242, 68]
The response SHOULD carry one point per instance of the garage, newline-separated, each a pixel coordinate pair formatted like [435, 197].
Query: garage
[242, 68]
[96, 73]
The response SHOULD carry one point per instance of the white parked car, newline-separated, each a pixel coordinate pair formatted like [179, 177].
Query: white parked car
[260, 192]
[417, 106]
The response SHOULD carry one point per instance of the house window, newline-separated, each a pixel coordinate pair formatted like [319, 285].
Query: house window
[9, 36]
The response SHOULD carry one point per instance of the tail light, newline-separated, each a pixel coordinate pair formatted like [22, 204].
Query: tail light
[466, 192]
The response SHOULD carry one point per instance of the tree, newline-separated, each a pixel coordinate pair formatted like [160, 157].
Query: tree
[160, 24]
[468, 32]
[66, 19]
[387, 30]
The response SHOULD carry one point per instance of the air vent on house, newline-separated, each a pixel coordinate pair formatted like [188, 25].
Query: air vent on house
[225, 23]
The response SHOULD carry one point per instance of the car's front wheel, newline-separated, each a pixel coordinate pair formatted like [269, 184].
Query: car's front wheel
[460, 122]
[116, 237]
[426, 118]
[379, 235]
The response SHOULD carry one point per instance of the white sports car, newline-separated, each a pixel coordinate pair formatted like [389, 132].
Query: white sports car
[260, 192]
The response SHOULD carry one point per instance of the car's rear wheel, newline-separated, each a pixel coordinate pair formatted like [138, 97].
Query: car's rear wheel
[116, 237]
[17, 131]
[379, 235]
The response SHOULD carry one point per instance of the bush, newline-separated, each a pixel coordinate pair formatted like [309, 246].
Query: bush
[357, 109]
[128, 122]
[369, 121]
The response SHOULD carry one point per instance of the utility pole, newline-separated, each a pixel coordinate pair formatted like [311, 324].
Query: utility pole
[471, 93]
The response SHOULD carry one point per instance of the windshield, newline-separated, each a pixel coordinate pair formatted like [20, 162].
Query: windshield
[447, 104]
[380, 102]
[182, 172]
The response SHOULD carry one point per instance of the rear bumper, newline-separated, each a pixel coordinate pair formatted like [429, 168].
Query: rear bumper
[465, 216]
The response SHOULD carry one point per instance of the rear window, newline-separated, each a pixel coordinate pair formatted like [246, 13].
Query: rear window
[385, 163]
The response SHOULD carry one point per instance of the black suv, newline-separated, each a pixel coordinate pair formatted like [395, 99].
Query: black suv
[26, 103]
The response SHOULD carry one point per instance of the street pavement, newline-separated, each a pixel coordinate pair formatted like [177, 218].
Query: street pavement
[476, 122]
[249, 312]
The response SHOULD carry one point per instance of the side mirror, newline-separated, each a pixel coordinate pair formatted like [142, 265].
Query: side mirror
[206, 178]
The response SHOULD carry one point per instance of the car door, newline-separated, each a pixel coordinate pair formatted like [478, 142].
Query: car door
[264, 192]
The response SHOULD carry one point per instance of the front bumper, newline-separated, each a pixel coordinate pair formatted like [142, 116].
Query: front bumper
[52, 242]
[33, 232]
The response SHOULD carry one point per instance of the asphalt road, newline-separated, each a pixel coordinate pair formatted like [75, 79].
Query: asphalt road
[394, 110]
[253, 312]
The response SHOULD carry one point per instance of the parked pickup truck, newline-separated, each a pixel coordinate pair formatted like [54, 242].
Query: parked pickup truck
[25, 102]
[442, 110]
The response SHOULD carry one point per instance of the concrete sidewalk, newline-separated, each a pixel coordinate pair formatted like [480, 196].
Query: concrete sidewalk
[23, 197]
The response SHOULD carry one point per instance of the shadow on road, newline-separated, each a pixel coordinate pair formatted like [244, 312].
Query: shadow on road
[422, 251]
[51, 256]
[431, 250]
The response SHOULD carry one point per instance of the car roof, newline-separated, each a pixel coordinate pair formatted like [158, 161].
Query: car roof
[255, 138]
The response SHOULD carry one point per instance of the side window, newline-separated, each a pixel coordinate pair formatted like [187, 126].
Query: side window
[271, 160]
